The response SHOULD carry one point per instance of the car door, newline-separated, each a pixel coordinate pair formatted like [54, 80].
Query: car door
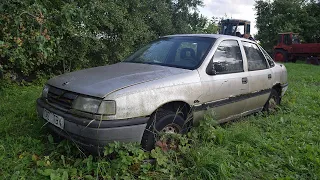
[260, 77]
[228, 83]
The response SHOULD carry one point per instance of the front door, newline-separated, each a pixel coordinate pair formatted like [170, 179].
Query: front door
[226, 88]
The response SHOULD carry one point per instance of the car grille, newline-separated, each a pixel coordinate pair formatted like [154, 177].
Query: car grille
[61, 98]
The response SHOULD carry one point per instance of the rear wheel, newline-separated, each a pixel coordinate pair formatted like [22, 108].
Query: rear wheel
[313, 60]
[280, 55]
[273, 102]
[162, 121]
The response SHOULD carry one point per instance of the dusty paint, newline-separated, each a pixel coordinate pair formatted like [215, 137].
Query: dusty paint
[140, 89]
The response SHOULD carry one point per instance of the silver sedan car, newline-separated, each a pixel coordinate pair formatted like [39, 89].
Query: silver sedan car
[166, 86]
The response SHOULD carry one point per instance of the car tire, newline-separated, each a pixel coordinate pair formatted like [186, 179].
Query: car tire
[273, 101]
[162, 121]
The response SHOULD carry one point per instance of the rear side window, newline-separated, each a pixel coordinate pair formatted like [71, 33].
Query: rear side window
[256, 60]
[228, 58]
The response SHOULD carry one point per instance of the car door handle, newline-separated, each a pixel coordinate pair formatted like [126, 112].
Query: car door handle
[269, 76]
[244, 80]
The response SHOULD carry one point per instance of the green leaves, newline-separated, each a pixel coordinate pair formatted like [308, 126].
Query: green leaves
[55, 37]
[278, 146]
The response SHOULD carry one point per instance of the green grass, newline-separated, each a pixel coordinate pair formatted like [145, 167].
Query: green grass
[285, 145]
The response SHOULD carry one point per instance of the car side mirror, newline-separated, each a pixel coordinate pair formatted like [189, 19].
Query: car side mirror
[211, 69]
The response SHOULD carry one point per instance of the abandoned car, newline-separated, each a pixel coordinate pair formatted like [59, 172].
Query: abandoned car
[166, 86]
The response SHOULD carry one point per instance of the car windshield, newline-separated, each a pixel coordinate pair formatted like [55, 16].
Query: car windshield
[182, 52]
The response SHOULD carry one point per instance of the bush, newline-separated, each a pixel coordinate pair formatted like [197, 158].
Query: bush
[54, 37]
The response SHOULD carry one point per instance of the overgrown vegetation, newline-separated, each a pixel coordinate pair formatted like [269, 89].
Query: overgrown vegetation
[284, 145]
[57, 36]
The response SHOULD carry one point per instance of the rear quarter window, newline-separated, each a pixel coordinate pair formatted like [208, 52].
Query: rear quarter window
[269, 59]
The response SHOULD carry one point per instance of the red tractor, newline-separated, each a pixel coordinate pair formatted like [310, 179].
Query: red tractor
[289, 48]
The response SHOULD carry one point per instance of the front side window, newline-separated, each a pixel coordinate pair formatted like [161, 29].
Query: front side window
[256, 60]
[287, 39]
[228, 58]
[181, 52]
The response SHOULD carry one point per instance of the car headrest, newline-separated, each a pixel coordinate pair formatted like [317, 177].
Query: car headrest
[184, 53]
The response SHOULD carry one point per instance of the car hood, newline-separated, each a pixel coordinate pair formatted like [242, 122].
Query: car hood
[101, 81]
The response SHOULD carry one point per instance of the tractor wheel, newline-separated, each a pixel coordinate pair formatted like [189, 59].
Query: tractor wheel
[280, 55]
[313, 60]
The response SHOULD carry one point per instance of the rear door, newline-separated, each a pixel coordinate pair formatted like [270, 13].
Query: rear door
[260, 77]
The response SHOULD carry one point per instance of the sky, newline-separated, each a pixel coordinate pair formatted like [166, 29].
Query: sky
[236, 9]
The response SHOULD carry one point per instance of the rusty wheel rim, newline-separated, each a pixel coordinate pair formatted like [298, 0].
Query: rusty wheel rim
[171, 129]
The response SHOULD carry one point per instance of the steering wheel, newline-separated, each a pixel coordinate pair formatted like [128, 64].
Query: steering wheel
[191, 60]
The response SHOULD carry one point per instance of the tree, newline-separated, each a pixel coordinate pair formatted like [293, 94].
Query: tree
[273, 17]
[56, 36]
[310, 26]
[212, 26]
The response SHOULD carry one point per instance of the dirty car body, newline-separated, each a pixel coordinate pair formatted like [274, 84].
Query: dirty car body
[227, 75]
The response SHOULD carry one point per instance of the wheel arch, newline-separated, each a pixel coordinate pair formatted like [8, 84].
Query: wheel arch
[176, 106]
[279, 49]
[278, 88]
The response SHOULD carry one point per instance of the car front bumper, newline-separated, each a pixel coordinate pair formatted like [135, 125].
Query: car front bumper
[93, 135]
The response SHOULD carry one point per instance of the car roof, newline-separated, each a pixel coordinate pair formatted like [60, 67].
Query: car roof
[235, 20]
[215, 36]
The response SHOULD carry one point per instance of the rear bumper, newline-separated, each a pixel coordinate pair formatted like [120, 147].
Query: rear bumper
[91, 134]
[284, 88]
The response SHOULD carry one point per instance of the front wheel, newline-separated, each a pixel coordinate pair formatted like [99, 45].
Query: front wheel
[162, 121]
[280, 55]
[273, 102]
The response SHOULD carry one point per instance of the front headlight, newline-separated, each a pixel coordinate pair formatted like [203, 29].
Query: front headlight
[95, 106]
[87, 104]
[45, 91]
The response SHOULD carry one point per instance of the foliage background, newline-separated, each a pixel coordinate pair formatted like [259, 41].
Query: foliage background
[299, 16]
[57, 36]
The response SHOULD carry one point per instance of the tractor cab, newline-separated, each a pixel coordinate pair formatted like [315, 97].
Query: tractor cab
[235, 27]
[287, 39]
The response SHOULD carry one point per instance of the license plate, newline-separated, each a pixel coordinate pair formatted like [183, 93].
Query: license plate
[53, 118]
